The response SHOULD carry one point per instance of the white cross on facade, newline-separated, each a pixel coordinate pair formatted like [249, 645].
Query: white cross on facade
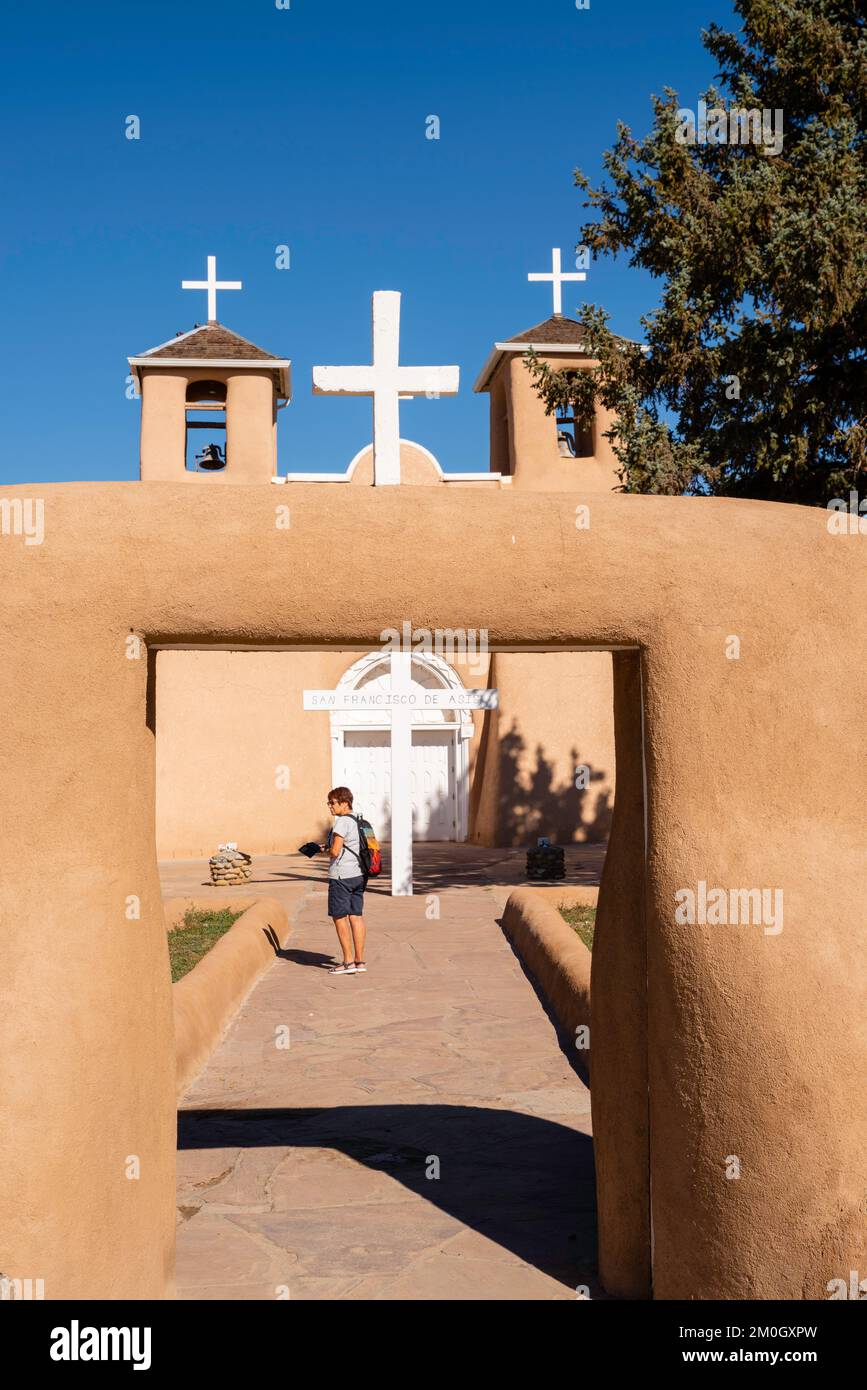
[212, 284]
[387, 383]
[400, 701]
[557, 277]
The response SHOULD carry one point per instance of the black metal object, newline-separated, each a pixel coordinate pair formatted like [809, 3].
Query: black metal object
[211, 458]
[546, 861]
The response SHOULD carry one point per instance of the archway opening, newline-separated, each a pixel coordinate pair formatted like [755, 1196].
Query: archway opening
[205, 436]
[320, 749]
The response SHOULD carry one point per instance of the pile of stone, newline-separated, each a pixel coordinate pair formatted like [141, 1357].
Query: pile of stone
[229, 866]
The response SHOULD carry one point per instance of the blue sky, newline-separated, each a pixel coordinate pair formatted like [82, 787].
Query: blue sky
[304, 127]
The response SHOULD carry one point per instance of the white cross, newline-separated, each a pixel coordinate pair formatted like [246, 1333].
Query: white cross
[387, 383]
[212, 284]
[557, 277]
[401, 700]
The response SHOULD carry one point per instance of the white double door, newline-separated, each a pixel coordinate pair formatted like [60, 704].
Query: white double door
[367, 764]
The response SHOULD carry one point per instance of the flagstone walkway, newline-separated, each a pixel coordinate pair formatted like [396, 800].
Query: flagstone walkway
[423, 1136]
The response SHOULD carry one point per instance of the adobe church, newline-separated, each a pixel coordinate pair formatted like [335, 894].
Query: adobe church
[238, 756]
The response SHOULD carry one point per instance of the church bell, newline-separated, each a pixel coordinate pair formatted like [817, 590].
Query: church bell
[211, 458]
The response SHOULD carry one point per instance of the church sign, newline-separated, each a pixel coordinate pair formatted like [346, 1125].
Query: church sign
[392, 699]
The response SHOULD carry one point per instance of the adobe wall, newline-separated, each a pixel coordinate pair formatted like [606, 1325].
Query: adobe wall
[618, 1015]
[554, 716]
[534, 459]
[418, 468]
[227, 720]
[756, 1043]
[206, 999]
[251, 426]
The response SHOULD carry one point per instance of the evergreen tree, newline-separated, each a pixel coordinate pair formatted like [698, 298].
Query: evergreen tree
[752, 381]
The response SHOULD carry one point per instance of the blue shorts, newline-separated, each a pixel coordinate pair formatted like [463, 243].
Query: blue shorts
[345, 897]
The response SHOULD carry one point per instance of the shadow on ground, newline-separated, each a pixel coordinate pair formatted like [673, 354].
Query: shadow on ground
[436, 866]
[524, 1182]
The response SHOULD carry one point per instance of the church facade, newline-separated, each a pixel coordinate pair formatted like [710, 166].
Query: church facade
[238, 756]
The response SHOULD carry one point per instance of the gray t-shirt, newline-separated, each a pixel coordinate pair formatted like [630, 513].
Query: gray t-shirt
[347, 864]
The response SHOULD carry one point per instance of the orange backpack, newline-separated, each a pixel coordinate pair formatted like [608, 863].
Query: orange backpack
[369, 853]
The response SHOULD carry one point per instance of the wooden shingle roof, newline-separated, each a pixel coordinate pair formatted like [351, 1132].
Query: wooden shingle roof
[558, 332]
[211, 340]
[213, 343]
[556, 329]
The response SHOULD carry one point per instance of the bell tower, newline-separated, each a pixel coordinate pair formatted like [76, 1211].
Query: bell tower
[209, 402]
[539, 452]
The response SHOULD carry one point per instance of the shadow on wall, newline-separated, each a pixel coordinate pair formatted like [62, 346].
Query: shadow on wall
[532, 804]
[524, 1182]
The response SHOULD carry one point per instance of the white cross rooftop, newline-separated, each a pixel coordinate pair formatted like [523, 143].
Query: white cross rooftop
[387, 382]
[212, 284]
[557, 277]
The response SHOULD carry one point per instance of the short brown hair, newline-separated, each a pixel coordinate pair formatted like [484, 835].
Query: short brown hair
[342, 795]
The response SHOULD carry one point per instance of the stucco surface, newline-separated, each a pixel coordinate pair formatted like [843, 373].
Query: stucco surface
[620, 1065]
[207, 998]
[238, 758]
[555, 955]
[250, 418]
[554, 717]
[534, 460]
[416, 467]
[755, 1043]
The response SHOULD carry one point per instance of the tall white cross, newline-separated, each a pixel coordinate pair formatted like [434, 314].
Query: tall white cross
[387, 383]
[212, 284]
[401, 700]
[557, 277]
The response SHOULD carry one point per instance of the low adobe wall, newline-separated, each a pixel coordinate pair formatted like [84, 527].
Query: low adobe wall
[175, 909]
[206, 1000]
[553, 951]
[565, 894]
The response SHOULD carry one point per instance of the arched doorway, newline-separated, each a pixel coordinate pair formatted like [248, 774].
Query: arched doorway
[361, 751]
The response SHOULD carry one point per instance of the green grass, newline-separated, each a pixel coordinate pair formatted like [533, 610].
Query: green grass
[583, 920]
[199, 931]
